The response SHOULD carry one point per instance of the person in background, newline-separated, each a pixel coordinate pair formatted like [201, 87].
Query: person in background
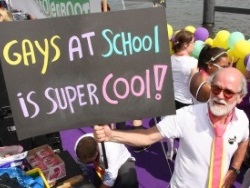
[246, 180]
[3, 4]
[211, 59]
[105, 6]
[121, 170]
[213, 136]
[183, 66]
[5, 15]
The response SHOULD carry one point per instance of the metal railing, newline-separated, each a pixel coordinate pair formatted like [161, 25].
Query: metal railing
[209, 10]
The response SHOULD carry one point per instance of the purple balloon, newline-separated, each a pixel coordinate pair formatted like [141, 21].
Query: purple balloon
[201, 33]
[246, 59]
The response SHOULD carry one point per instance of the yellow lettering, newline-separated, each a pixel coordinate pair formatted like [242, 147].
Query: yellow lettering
[6, 54]
[28, 50]
[57, 49]
[25, 45]
[45, 53]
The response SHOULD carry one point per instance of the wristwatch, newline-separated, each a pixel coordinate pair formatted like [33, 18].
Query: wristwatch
[237, 171]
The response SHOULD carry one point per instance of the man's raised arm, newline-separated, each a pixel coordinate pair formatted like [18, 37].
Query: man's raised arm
[138, 137]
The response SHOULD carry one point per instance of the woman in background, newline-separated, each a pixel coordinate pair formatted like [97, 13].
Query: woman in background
[211, 59]
[183, 66]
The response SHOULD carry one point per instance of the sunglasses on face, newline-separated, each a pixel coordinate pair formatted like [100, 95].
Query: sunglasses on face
[228, 94]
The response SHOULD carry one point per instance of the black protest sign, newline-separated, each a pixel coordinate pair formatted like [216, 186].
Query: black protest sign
[76, 71]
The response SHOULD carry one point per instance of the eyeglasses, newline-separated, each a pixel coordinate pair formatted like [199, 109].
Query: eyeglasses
[228, 94]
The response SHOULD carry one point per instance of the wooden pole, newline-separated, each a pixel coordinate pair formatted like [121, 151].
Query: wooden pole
[105, 9]
[208, 12]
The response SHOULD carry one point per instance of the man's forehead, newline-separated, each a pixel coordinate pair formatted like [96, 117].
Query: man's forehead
[227, 79]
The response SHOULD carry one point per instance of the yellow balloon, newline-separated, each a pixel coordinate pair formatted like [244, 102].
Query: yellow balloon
[170, 31]
[190, 28]
[241, 48]
[231, 56]
[240, 66]
[176, 32]
[170, 48]
[221, 39]
[209, 41]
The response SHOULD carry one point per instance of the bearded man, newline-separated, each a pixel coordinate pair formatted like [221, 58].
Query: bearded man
[213, 136]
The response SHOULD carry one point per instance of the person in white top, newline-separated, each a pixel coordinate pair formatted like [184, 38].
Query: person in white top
[183, 66]
[120, 171]
[194, 126]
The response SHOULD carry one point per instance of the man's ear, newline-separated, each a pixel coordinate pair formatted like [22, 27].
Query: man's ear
[240, 99]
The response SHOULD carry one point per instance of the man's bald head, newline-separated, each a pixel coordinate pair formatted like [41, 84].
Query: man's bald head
[230, 78]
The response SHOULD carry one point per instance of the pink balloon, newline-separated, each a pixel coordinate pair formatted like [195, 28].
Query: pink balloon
[201, 33]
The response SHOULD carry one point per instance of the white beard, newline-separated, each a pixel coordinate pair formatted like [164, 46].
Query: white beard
[220, 110]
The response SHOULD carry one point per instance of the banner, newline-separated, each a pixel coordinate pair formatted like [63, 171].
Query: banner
[70, 72]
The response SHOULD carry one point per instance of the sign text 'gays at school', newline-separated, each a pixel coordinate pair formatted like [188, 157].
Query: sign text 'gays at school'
[70, 72]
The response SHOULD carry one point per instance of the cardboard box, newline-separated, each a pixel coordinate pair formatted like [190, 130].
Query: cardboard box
[51, 165]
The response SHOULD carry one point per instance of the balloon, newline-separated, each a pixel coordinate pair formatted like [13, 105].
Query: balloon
[201, 33]
[170, 47]
[170, 31]
[234, 37]
[221, 39]
[209, 41]
[190, 28]
[198, 45]
[231, 56]
[247, 59]
[241, 49]
[240, 66]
